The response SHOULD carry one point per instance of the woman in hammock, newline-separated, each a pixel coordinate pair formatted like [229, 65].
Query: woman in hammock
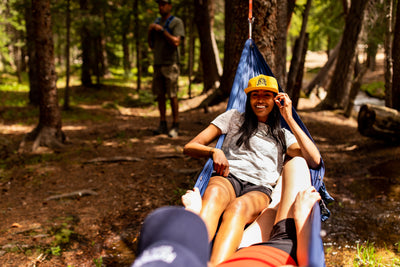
[249, 163]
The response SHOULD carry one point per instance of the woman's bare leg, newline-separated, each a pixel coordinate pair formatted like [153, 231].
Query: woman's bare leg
[241, 211]
[295, 178]
[218, 195]
[260, 230]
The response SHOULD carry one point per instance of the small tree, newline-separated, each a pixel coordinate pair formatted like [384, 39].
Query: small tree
[48, 132]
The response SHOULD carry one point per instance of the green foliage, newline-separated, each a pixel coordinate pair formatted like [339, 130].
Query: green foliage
[98, 262]
[61, 236]
[55, 251]
[375, 89]
[325, 24]
[366, 256]
[13, 93]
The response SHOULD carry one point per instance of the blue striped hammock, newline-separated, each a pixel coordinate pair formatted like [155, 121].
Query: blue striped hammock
[250, 65]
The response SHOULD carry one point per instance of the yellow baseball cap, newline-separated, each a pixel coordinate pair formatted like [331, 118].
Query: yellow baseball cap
[262, 82]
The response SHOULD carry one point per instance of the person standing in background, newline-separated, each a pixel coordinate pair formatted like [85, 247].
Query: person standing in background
[164, 37]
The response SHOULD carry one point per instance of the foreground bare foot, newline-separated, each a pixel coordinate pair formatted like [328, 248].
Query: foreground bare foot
[192, 200]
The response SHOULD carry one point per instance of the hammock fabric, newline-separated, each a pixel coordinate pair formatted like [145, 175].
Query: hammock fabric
[250, 65]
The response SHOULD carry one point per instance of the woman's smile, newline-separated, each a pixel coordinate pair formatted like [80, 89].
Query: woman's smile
[262, 103]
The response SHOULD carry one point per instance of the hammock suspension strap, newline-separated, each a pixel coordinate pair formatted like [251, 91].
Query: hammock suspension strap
[251, 19]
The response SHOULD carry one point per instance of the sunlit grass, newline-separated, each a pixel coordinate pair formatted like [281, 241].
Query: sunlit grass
[13, 93]
[86, 104]
[368, 255]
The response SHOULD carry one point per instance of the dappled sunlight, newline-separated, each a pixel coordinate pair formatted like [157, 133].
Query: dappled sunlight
[74, 127]
[23, 129]
[15, 129]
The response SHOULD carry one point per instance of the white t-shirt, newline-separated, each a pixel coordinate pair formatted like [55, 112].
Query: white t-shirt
[262, 163]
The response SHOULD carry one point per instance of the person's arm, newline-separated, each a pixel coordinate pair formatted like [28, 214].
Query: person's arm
[152, 27]
[303, 204]
[304, 147]
[198, 148]
[171, 39]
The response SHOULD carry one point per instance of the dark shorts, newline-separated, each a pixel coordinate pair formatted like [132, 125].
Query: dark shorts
[165, 80]
[242, 187]
[283, 237]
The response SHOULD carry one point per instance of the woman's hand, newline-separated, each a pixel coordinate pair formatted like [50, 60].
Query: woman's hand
[221, 164]
[284, 104]
[304, 202]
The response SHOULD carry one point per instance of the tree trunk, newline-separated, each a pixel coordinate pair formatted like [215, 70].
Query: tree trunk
[192, 39]
[337, 91]
[265, 13]
[283, 18]
[125, 58]
[34, 90]
[372, 50]
[67, 64]
[236, 33]
[207, 53]
[297, 51]
[396, 61]
[355, 88]
[86, 79]
[379, 122]
[322, 75]
[388, 53]
[137, 43]
[48, 132]
[299, 79]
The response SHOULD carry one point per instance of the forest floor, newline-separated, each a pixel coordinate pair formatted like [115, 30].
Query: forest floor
[84, 204]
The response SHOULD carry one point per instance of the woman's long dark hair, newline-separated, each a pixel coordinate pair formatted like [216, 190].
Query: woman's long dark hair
[250, 126]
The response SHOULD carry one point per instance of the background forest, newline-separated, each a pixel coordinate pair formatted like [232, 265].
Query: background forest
[80, 169]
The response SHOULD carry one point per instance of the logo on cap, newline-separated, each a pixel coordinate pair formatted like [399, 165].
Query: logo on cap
[261, 82]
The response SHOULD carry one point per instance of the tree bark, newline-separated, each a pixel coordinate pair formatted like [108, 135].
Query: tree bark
[192, 40]
[388, 53]
[265, 30]
[379, 122]
[126, 26]
[396, 61]
[34, 90]
[67, 63]
[207, 53]
[299, 78]
[137, 43]
[86, 79]
[48, 132]
[355, 88]
[297, 51]
[283, 18]
[337, 91]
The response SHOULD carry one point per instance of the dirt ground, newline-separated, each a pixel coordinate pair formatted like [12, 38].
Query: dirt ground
[84, 205]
